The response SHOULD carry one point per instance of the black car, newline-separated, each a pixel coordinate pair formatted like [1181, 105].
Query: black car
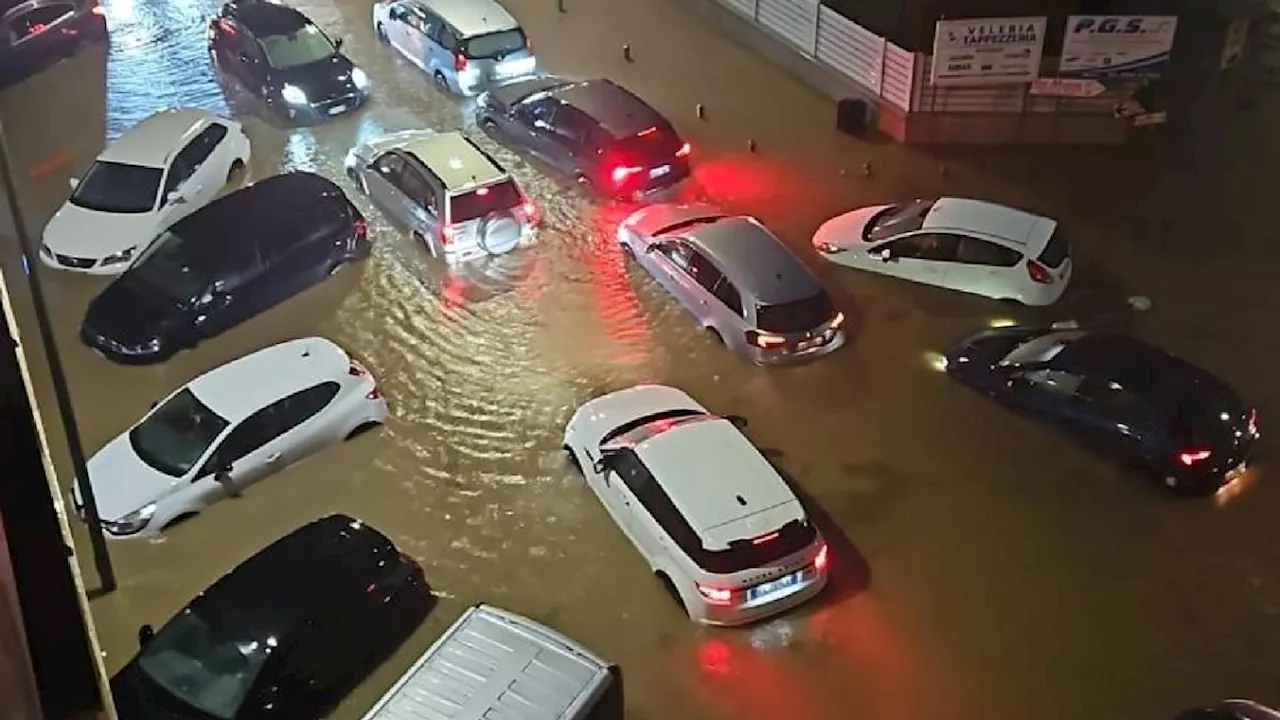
[277, 54]
[37, 34]
[1131, 400]
[224, 263]
[1232, 710]
[594, 131]
[286, 634]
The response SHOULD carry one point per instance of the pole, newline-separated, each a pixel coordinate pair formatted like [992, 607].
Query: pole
[101, 558]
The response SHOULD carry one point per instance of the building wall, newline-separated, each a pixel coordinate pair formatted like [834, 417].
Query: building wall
[18, 697]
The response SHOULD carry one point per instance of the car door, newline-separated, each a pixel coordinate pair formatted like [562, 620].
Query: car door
[569, 140]
[922, 257]
[245, 454]
[982, 267]
[533, 127]
[396, 29]
[631, 481]
[1120, 422]
[195, 174]
[423, 203]
[670, 261]
[382, 178]
[253, 63]
[302, 422]
[239, 294]
[442, 46]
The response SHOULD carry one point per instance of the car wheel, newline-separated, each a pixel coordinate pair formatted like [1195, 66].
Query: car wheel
[672, 592]
[441, 82]
[573, 460]
[358, 179]
[178, 520]
[714, 336]
[627, 253]
[361, 429]
[489, 126]
[237, 167]
[380, 32]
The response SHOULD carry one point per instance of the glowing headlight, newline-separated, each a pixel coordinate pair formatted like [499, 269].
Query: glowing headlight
[293, 95]
[123, 256]
[150, 346]
[359, 77]
[132, 523]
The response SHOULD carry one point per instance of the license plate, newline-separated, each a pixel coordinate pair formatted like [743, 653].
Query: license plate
[337, 109]
[659, 171]
[773, 587]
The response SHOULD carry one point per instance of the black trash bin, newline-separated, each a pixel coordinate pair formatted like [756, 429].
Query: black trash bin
[853, 117]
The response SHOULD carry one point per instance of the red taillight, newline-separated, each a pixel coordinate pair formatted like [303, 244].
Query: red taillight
[459, 62]
[1253, 421]
[684, 150]
[446, 234]
[765, 340]
[820, 562]
[374, 394]
[99, 10]
[1039, 273]
[1191, 457]
[354, 370]
[716, 595]
[836, 321]
[647, 131]
[622, 172]
[764, 538]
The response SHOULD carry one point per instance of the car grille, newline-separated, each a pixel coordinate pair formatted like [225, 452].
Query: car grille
[75, 262]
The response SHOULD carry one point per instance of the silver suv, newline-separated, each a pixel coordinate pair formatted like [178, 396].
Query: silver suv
[449, 193]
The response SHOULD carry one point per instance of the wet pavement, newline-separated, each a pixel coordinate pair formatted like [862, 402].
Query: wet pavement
[984, 567]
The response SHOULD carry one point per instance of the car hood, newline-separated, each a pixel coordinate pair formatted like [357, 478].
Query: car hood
[130, 314]
[121, 482]
[598, 417]
[371, 148]
[845, 231]
[84, 233]
[321, 80]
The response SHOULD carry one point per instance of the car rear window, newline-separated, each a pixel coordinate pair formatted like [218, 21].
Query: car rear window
[653, 145]
[484, 200]
[796, 316]
[746, 553]
[495, 45]
[639, 422]
[1056, 251]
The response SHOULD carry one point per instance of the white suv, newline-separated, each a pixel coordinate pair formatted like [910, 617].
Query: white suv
[161, 170]
[715, 520]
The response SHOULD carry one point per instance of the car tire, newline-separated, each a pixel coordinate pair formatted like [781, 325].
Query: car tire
[442, 84]
[361, 429]
[488, 125]
[381, 33]
[627, 253]
[237, 167]
[671, 590]
[715, 336]
[572, 457]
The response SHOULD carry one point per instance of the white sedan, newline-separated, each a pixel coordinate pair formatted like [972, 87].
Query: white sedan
[158, 172]
[967, 245]
[716, 522]
[227, 429]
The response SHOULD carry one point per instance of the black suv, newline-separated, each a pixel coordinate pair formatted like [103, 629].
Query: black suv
[594, 131]
[223, 264]
[277, 54]
[286, 634]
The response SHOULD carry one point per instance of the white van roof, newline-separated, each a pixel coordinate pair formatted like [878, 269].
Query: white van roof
[492, 663]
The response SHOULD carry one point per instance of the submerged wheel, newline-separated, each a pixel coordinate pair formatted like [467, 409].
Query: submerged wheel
[714, 336]
[573, 460]
[674, 594]
[237, 166]
[441, 82]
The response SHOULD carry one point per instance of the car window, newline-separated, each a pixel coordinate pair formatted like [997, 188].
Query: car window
[1118, 404]
[166, 267]
[118, 188]
[701, 270]
[448, 38]
[973, 251]
[796, 316]
[573, 127]
[309, 44]
[1041, 348]
[174, 437]
[248, 436]
[1054, 381]
[418, 21]
[729, 295]
[898, 220]
[677, 252]
[304, 405]
[388, 165]
[936, 247]
[191, 157]
[478, 203]
[37, 20]
[414, 185]
[398, 12]
[495, 45]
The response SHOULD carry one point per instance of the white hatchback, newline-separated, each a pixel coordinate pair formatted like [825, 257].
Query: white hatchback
[161, 170]
[713, 518]
[967, 245]
[227, 429]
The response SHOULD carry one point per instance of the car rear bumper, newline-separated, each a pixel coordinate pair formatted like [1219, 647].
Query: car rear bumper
[785, 355]
[723, 616]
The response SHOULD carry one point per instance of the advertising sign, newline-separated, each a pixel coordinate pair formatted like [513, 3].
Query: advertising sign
[1117, 45]
[987, 51]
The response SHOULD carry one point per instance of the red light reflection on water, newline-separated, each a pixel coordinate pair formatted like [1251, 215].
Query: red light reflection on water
[615, 298]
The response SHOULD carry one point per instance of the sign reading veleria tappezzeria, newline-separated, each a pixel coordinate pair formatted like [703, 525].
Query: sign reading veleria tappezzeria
[1117, 45]
[987, 51]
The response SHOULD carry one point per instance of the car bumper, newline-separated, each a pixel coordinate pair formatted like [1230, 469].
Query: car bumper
[785, 355]
[725, 616]
[317, 112]
[112, 351]
[50, 261]
[680, 171]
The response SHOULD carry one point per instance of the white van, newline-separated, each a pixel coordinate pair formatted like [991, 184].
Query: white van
[494, 663]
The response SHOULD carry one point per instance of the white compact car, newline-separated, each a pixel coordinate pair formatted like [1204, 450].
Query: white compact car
[227, 429]
[714, 519]
[967, 245]
[158, 172]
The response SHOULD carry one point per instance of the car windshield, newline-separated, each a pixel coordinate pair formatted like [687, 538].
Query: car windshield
[203, 665]
[482, 201]
[495, 45]
[174, 437]
[165, 268]
[303, 47]
[797, 315]
[1042, 348]
[118, 188]
[897, 220]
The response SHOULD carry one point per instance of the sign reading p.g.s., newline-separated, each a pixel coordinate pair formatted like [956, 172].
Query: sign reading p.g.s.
[1117, 45]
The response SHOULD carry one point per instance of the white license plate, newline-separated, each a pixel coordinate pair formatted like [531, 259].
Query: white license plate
[773, 587]
[337, 110]
[659, 171]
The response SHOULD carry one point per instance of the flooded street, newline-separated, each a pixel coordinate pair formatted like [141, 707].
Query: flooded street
[983, 565]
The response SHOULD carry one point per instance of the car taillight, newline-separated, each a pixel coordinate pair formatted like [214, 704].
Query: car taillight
[1039, 273]
[1253, 421]
[622, 172]
[361, 227]
[684, 150]
[374, 394]
[1191, 457]
[354, 370]
[820, 562]
[837, 321]
[459, 62]
[446, 234]
[764, 340]
[716, 595]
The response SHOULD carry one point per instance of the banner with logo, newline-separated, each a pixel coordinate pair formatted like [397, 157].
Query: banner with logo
[1117, 45]
[987, 51]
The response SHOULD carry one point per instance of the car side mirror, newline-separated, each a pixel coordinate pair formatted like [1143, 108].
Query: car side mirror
[337, 44]
[651, 247]
[175, 197]
[600, 466]
[887, 256]
[73, 183]
[737, 420]
[145, 634]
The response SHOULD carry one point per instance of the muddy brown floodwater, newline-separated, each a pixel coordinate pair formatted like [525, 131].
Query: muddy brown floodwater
[983, 566]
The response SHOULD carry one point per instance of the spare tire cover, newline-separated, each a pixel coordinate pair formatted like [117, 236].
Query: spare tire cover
[499, 233]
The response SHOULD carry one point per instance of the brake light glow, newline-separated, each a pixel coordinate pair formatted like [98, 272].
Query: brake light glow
[482, 191]
[1191, 457]
[459, 62]
[647, 131]
[622, 172]
[374, 394]
[354, 370]
[764, 538]
[837, 321]
[1039, 273]
[684, 150]
[820, 562]
[1253, 421]
[765, 340]
[715, 595]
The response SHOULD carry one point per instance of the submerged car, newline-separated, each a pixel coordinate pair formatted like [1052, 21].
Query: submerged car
[1130, 400]
[593, 131]
[967, 245]
[37, 34]
[741, 283]
[239, 255]
[158, 172]
[287, 633]
[275, 53]
[712, 517]
[228, 429]
[1232, 710]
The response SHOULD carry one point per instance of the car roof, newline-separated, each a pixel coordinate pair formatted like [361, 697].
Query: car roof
[249, 383]
[1024, 230]
[158, 136]
[472, 17]
[613, 107]
[712, 473]
[264, 18]
[757, 262]
[320, 567]
[456, 160]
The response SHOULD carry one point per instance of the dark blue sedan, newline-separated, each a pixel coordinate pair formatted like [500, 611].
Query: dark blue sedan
[1130, 400]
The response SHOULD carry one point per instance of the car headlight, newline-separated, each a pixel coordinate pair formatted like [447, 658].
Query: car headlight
[123, 256]
[150, 346]
[132, 523]
[359, 77]
[293, 95]
[828, 248]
